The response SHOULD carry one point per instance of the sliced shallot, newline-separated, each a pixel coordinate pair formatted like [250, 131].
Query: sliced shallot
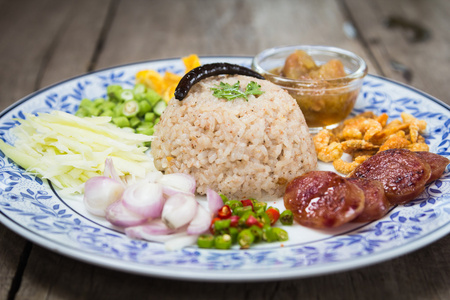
[154, 176]
[155, 227]
[179, 210]
[200, 223]
[110, 171]
[178, 182]
[215, 202]
[117, 214]
[144, 198]
[100, 192]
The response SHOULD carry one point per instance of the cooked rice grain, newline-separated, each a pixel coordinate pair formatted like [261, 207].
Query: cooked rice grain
[238, 148]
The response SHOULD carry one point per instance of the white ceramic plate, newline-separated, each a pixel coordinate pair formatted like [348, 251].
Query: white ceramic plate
[33, 209]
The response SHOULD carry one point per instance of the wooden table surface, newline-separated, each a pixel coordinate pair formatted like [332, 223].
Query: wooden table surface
[45, 41]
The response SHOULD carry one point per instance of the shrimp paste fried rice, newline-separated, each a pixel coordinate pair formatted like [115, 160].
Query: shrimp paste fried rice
[243, 149]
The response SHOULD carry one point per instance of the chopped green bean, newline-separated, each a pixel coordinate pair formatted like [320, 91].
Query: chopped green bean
[222, 224]
[205, 241]
[224, 198]
[263, 218]
[98, 102]
[121, 121]
[114, 92]
[249, 223]
[280, 233]
[223, 241]
[107, 113]
[260, 205]
[144, 108]
[245, 238]
[145, 130]
[107, 105]
[149, 117]
[254, 201]
[257, 233]
[159, 107]
[241, 210]
[268, 234]
[152, 96]
[86, 103]
[118, 110]
[287, 217]
[93, 111]
[141, 105]
[233, 232]
[233, 204]
[139, 90]
[126, 95]
[81, 112]
[134, 122]
[130, 108]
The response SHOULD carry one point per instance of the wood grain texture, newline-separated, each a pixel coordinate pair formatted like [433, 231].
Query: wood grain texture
[52, 276]
[145, 30]
[24, 39]
[11, 248]
[427, 61]
[41, 42]
[76, 42]
[28, 30]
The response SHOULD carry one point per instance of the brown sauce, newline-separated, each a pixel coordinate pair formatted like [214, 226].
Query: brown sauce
[326, 98]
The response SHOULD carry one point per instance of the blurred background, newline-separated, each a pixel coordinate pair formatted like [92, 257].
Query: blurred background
[45, 41]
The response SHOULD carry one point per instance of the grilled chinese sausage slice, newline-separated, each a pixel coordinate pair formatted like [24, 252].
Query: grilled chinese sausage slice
[376, 204]
[437, 163]
[322, 199]
[402, 173]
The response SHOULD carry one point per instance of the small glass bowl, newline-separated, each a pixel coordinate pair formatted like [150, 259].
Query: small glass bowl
[324, 102]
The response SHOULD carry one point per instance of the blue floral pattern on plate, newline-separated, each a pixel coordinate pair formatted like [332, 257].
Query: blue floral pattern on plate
[32, 208]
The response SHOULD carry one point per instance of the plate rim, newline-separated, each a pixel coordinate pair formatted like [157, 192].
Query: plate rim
[224, 275]
[216, 275]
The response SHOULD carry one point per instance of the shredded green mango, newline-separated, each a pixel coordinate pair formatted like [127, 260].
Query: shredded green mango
[68, 150]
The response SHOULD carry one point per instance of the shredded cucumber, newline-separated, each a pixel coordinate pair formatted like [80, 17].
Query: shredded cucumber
[68, 150]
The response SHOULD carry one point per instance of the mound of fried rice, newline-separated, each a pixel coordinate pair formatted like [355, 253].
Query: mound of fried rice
[242, 149]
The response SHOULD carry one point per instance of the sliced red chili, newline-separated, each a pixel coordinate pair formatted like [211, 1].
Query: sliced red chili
[224, 212]
[234, 221]
[247, 202]
[251, 220]
[273, 214]
[211, 227]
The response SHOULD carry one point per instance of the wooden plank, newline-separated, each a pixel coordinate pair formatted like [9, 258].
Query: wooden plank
[145, 30]
[426, 60]
[26, 35]
[75, 46]
[403, 278]
[11, 248]
[40, 42]
[24, 38]
[36, 50]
